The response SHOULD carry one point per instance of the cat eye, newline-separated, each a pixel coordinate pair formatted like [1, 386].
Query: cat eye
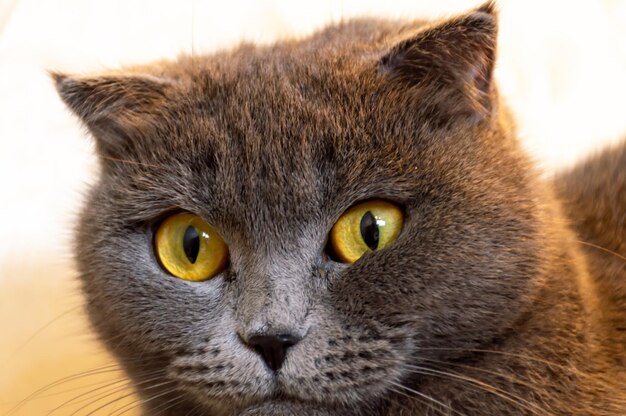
[367, 226]
[189, 248]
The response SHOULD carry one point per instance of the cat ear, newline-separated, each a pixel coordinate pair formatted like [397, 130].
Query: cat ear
[117, 109]
[452, 63]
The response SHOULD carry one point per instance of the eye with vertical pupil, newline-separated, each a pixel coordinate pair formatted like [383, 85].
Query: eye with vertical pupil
[368, 226]
[189, 248]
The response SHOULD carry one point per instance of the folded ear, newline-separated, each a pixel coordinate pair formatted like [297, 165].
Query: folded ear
[452, 63]
[118, 110]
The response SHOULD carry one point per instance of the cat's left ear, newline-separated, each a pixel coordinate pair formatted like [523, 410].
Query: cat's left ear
[119, 110]
[451, 64]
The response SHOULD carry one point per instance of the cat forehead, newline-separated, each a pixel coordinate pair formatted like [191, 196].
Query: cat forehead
[325, 114]
[271, 91]
[280, 126]
[260, 162]
[270, 110]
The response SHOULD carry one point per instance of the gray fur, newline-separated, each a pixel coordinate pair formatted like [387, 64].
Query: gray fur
[484, 303]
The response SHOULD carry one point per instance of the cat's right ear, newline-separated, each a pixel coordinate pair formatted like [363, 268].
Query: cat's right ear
[451, 65]
[118, 110]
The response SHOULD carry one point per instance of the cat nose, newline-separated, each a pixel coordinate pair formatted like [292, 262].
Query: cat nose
[273, 348]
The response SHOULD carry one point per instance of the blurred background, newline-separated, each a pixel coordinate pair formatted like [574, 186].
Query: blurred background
[561, 66]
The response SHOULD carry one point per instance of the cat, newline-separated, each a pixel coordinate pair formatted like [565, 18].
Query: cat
[483, 290]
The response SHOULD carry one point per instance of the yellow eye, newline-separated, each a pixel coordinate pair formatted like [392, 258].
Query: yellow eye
[370, 225]
[189, 248]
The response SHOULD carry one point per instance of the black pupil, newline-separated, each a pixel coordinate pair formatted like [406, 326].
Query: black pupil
[191, 243]
[369, 230]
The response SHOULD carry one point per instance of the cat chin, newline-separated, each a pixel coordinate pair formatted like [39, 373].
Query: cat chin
[280, 402]
[281, 407]
[270, 406]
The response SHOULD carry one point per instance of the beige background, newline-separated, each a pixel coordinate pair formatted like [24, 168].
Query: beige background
[562, 66]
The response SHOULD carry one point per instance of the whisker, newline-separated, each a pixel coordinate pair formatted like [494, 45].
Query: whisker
[39, 331]
[140, 401]
[60, 392]
[117, 399]
[74, 400]
[194, 411]
[606, 250]
[127, 407]
[109, 403]
[101, 396]
[523, 403]
[426, 403]
[172, 403]
[130, 404]
[425, 396]
[111, 368]
[505, 353]
[507, 377]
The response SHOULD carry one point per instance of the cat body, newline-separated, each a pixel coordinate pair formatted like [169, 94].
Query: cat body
[486, 304]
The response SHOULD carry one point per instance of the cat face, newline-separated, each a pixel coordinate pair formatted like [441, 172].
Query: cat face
[270, 146]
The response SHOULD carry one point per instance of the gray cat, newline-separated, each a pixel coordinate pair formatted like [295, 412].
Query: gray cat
[346, 225]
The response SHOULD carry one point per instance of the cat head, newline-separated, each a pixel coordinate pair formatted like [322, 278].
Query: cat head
[271, 146]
